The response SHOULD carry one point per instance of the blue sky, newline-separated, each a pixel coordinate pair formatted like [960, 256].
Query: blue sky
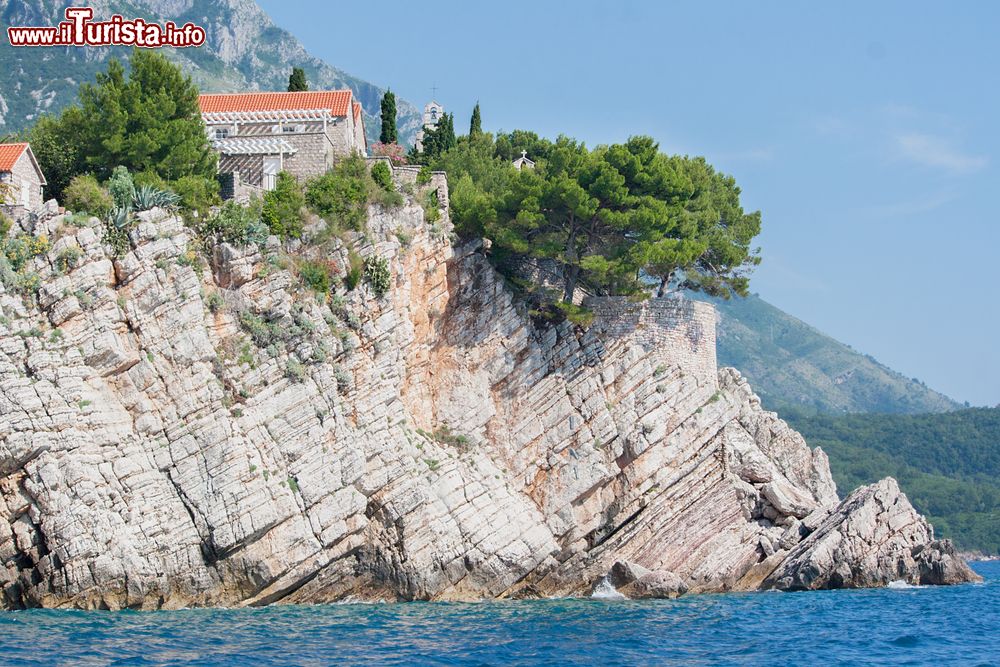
[865, 132]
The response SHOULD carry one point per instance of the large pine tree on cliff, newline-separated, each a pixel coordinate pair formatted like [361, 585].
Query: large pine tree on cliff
[148, 121]
[297, 81]
[388, 134]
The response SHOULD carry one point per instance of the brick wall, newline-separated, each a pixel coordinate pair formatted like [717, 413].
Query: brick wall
[681, 329]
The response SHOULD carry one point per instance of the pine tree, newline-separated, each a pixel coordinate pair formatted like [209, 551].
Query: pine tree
[297, 80]
[388, 134]
[476, 126]
[147, 121]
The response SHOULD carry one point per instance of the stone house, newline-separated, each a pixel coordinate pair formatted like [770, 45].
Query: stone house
[258, 135]
[19, 171]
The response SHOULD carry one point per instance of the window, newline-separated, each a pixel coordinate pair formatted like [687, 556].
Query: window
[293, 128]
[222, 133]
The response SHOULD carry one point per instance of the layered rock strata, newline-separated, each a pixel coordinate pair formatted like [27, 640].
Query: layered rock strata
[176, 432]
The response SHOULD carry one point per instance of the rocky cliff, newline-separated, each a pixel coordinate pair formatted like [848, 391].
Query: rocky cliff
[179, 431]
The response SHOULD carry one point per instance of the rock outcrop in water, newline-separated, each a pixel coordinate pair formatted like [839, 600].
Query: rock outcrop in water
[174, 434]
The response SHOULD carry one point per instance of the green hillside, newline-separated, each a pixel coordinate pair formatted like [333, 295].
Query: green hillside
[791, 364]
[245, 51]
[948, 464]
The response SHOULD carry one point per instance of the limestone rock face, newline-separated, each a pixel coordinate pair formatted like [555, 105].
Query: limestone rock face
[872, 538]
[176, 431]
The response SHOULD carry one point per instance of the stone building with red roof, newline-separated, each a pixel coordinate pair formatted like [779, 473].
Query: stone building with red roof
[24, 179]
[258, 135]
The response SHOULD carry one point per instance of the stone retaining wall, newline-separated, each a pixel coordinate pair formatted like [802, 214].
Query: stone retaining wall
[683, 329]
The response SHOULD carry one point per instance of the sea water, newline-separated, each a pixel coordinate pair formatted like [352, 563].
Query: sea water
[898, 625]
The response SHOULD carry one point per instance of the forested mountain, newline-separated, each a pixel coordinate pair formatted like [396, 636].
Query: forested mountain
[245, 51]
[791, 364]
[948, 464]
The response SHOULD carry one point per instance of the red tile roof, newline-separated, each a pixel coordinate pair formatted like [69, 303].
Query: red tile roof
[337, 101]
[357, 110]
[9, 153]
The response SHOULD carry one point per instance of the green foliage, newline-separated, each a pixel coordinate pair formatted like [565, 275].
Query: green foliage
[121, 187]
[55, 141]
[424, 175]
[15, 254]
[67, 258]
[147, 197]
[215, 302]
[377, 274]
[578, 315]
[388, 134]
[440, 139]
[607, 218]
[476, 123]
[85, 194]
[239, 225]
[295, 371]
[432, 207]
[355, 267]
[5, 224]
[948, 464]
[262, 332]
[382, 175]
[197, 192]
[341, 195]
[297, 80]
[282, 211]
[343, 378]
[316, 275]
[149, 122]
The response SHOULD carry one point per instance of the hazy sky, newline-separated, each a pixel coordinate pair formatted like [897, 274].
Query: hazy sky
[865, 132]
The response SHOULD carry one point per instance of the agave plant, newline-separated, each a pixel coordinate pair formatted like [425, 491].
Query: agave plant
[120, 217]
[147, 197]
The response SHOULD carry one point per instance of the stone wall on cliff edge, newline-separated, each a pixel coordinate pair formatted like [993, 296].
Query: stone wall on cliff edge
[175, 433]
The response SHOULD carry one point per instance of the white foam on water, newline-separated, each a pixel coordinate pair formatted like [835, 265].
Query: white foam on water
[605, 591]
[899, 584]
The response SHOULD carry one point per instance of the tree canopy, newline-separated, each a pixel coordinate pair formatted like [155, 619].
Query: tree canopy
[608, 220]
[148, 121]
[476, 123]
[388, 134]
[297, 80]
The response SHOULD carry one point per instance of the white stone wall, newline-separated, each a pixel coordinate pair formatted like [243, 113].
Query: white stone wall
[685, 329]
[316, 151]
[23, 177]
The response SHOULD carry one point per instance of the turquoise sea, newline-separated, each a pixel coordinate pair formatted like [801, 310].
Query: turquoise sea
[957, 625]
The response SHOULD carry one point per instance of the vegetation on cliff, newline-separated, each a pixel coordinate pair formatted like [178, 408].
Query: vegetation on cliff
[604, 221]
[147, 122]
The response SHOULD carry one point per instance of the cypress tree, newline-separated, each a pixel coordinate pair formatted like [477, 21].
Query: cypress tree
[476, 126]
[447, 129]
[388, 134]
[297, 80]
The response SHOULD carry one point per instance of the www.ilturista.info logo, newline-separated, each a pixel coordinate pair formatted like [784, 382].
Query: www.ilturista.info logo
[79, 30]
